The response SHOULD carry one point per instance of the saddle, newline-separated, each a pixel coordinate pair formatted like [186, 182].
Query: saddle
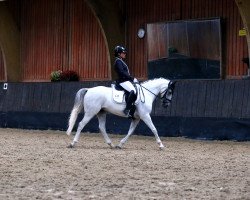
[119, 95]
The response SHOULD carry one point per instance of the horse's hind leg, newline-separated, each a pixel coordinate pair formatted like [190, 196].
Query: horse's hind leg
[102, 126]
[148, 121]
[132, 127]
[81, 125]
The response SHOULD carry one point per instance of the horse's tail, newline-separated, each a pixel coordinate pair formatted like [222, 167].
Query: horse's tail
[78, 106]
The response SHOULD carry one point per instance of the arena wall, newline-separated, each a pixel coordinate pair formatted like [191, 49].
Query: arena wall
[67, 35]
[209, 109]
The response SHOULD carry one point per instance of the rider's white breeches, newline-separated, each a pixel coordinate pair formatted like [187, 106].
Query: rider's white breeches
[127, 85]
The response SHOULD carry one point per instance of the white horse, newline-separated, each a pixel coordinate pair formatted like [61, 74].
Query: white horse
[98, 101]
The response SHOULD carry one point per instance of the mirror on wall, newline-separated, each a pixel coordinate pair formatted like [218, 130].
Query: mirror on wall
[185, 49]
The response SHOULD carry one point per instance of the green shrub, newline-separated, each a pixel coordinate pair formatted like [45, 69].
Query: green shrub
[55, 75]
[67, 75]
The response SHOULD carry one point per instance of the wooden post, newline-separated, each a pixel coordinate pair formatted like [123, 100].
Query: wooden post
[10, 44]
[244, 9]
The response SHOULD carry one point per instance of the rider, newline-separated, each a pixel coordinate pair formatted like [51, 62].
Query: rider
[125, 80]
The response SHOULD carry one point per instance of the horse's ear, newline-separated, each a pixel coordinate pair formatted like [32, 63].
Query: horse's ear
[172, 84]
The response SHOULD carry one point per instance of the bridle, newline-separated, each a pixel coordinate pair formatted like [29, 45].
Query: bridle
[162, 94]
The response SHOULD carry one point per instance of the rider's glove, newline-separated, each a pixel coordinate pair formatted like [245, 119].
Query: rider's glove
[135, 80]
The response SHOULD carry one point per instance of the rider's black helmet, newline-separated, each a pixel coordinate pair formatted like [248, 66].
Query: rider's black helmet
[119, 50]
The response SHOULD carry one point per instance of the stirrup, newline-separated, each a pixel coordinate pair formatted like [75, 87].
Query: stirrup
[131, 116]
[126, 112]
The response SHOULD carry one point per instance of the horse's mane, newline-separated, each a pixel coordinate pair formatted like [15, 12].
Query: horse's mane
[150, 80]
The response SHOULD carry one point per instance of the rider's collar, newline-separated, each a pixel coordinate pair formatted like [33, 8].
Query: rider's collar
[122, 61]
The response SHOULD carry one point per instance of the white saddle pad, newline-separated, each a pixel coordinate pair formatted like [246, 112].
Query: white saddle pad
[119, 96]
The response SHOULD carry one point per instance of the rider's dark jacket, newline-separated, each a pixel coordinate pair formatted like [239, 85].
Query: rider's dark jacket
[122, 71]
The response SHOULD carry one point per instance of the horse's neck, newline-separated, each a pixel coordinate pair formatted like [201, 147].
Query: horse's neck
[152, 88]
[150, 92]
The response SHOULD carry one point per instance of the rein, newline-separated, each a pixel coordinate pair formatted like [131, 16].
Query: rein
[164, 92]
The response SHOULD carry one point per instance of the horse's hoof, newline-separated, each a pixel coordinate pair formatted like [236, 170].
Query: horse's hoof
[71, 146]
[118, 147]
[161, 147]
[68, 133]
[111, 145]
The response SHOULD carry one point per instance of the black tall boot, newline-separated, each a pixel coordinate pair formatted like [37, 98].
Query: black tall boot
[130, 101]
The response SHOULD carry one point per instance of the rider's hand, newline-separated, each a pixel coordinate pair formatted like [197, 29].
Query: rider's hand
[135, 80]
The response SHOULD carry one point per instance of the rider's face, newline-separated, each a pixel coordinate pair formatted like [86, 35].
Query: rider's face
[123, 55]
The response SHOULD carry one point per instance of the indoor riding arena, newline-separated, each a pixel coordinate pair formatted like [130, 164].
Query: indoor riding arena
[49, 50]
[37, 165]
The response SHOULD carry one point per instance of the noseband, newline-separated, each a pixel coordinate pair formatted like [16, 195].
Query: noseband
[164, 96]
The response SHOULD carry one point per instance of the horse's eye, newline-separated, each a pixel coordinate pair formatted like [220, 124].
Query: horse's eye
[169, 92]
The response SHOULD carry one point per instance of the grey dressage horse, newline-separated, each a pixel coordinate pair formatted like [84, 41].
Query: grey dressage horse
[97, 101]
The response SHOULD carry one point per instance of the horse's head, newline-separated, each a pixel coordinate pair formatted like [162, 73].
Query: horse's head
[168, 94]
[161, 86]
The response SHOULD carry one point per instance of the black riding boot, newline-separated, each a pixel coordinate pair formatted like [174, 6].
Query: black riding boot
[130, 101]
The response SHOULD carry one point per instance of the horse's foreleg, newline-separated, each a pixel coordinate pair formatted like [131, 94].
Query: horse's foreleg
[81, 125]
[102, 126]
[148, 121]
[132, 127]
